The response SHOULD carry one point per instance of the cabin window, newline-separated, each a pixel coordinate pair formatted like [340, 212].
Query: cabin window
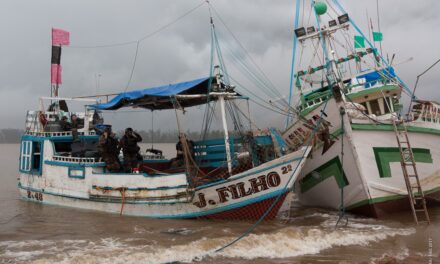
[31, 156]
[388, 105]
[81, 148]
[62, 147]
[26, 155]
[375, 109]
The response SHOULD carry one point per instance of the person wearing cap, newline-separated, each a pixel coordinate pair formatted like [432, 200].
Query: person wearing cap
[109, 150]
[130, 149]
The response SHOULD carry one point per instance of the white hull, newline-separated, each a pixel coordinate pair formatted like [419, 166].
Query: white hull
[160, 196]
[371, 163]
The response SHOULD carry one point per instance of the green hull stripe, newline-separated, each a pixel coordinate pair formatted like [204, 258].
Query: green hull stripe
[332, 168]
[386, 198]
[391, 128]
[384, 156]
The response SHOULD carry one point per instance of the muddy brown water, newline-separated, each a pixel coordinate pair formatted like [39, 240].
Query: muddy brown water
[35, 233]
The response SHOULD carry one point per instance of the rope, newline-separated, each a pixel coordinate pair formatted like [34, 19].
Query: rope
[269, 83]
[251, 229]
[341, 206]
[149, 35]
[133, 67]
[292, 69]
[122, 190]
[402, 83]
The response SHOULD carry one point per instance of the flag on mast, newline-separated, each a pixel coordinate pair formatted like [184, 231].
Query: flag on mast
[377, 36]
[359, 42]
[59, 38]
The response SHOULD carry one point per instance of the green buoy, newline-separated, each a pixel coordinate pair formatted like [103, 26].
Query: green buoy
[320, 8]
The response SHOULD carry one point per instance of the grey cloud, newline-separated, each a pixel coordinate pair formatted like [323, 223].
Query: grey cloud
[180, 52]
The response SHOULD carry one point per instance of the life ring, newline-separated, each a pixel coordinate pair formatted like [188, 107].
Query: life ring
[42, 118]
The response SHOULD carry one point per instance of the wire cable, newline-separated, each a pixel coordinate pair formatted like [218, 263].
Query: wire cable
[149, 35]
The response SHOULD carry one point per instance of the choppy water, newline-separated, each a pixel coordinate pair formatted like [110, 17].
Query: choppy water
[33, 233]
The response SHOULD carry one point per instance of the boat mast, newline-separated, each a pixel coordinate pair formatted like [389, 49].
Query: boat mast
[221, 97]
[320, 8]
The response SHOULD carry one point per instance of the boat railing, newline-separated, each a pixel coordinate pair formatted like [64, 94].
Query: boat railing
[212, 152]
[76, 159]
[58, 134]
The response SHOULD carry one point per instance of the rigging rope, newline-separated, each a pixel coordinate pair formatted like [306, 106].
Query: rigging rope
[149, 35]
[342, 206]
[402, 83]
[269, 83]
[251, 229]
[292, 69]
[133, 67]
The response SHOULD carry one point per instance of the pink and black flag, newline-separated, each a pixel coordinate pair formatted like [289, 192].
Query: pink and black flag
[59, 38]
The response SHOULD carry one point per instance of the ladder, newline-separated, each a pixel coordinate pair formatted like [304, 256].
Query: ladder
[415, 193]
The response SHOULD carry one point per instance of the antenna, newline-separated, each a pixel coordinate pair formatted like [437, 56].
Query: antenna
[417, 82]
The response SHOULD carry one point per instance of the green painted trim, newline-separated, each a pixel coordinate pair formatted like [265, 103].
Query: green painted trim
[386, 198]
[332, 168]
[390, 127]
[384, 156]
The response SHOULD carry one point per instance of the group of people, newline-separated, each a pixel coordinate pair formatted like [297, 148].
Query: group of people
[109, 148]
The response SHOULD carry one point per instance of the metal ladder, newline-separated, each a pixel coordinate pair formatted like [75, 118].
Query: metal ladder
[415, 193]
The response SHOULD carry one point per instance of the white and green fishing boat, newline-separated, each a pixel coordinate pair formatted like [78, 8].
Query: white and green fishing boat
[349, 98]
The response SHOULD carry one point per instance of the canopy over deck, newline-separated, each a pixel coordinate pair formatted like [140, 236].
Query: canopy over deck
[190, 93]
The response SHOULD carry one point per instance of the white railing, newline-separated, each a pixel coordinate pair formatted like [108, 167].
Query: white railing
[58, 134]
[76, 159]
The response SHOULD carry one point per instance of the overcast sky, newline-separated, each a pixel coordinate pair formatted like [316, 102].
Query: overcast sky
[182, 51]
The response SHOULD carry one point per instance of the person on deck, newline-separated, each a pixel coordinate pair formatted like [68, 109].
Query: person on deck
[130, 148]
[180, 157]
[64, 124]
[109, 150]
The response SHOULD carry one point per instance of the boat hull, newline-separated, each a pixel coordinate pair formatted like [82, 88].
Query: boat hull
[244, 196]
[369, 171]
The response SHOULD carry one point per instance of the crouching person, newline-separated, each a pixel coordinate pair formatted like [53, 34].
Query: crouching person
[109, 151]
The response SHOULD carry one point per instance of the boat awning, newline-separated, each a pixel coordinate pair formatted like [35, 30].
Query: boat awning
[187, 94]
[377, 75]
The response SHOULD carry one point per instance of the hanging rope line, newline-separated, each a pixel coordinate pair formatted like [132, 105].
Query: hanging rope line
[267, 81]
[342, 206]
[252, 228]
[133, 67]
[149, 35]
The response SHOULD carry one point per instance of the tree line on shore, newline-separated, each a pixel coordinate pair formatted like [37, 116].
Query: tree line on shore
[12, 135]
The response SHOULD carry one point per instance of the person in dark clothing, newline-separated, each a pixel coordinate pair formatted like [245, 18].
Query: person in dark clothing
[109, 150]
[178, 161]
[130, 148]
[64, 124]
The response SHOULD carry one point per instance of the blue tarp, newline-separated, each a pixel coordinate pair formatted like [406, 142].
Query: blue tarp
[372, 77]
[159, 97]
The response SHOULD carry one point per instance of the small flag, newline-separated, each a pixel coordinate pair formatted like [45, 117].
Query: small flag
[359, 42]
[55, 74]
[377, 36]
[60, 37]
